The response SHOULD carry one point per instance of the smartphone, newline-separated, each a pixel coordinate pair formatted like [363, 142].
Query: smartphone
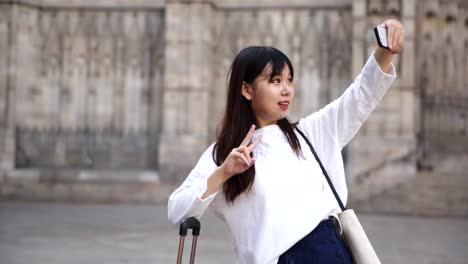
[381, 36]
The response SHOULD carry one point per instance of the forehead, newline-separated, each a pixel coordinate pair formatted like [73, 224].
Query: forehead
[268, 71]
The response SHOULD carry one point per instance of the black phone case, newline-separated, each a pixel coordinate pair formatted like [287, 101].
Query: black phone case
[379, 38]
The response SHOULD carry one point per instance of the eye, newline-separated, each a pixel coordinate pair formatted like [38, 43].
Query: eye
[290, 80]
[276, 80]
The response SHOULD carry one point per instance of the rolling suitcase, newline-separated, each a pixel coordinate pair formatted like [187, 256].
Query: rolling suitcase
[189, 223]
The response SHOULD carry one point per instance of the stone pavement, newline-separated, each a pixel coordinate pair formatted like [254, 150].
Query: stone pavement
[57, 233]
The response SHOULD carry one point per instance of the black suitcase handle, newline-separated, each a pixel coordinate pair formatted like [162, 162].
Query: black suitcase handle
[189, 223]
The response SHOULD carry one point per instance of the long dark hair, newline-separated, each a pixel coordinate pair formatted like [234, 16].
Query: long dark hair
[238, 115]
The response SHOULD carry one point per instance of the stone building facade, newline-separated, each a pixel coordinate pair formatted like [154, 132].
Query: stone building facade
[115, 100]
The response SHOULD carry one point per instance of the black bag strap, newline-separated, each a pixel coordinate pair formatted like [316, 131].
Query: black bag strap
[323, 170]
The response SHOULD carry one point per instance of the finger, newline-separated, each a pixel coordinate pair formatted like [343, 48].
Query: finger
[246, 152]
[240, 156]
[402, 41]
[253, 145]
[391, 35]
[253, 161]
[247, 138]
[396, 40]
[398, 47]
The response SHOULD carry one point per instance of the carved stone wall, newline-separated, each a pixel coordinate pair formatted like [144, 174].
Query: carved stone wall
[109, 86]
[444, 67]
[410, 156]
[88, 86]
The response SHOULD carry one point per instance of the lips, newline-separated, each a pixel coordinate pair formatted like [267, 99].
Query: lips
[284, 105]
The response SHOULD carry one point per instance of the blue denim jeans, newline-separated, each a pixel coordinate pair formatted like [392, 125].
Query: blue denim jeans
[322, 245]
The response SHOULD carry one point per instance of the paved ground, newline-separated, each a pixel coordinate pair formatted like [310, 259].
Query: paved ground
[67, 233]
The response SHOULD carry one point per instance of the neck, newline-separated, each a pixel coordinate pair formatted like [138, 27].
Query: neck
[265, 123]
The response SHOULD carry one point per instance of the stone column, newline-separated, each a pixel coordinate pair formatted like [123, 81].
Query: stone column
[7, 83]
[407, 83]
[359, 27]
[188, 77]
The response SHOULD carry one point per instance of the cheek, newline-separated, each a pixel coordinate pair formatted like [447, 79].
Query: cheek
[264, 103]
[272, 98]
[265, 97]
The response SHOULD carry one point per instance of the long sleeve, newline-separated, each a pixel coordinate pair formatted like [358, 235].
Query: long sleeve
[344, 116]
[186, 200]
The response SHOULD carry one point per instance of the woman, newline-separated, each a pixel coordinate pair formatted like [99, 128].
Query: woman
[261, 178]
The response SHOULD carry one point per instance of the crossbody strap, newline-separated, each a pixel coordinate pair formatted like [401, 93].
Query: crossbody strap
[323, 170]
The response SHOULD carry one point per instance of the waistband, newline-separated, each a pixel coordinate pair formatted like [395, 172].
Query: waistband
[336, 221]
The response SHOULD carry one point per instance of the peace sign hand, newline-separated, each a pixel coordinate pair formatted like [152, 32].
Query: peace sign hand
[239, 159]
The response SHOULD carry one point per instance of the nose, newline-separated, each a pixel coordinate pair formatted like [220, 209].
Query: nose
[285, 89]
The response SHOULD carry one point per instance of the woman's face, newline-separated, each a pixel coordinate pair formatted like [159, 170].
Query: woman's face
[270, 96]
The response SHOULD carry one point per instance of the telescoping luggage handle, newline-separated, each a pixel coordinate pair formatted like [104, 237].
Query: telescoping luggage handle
[189, 223]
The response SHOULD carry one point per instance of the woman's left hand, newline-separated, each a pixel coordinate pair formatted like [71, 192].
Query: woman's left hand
[395, 36]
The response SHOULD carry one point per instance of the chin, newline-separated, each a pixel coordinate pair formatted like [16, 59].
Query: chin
[282, 117]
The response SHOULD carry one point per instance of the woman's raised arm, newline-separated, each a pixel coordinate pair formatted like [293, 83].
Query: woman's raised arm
[344, 116]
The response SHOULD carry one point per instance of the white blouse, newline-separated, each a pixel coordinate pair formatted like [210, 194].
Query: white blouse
[290, 195]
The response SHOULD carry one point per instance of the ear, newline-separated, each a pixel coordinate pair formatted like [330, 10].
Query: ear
[247, 91]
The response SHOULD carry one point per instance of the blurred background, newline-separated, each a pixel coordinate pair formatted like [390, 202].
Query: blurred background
[106, 105]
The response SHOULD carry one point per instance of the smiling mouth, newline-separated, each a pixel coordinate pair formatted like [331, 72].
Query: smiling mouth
[284, 105]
